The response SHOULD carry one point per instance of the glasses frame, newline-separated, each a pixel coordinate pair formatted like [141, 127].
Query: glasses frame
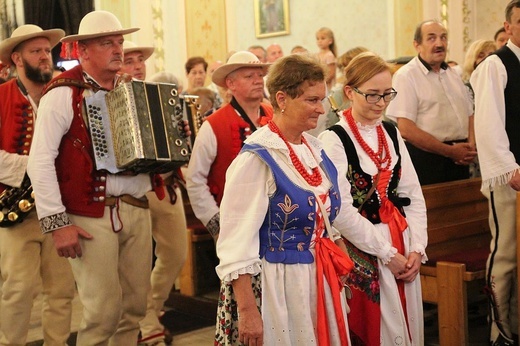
[383, 96]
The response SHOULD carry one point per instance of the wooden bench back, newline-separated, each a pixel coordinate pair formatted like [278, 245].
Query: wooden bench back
[457, 217]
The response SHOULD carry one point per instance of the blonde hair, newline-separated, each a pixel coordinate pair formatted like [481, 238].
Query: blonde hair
[363, 67]
[474, 50]
[328, 32]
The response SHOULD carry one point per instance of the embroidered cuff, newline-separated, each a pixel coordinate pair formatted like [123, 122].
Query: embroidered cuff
[54, 222]
[213, 225]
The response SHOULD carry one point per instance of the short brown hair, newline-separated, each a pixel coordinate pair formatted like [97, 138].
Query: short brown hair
[194, 61]
[288, 74]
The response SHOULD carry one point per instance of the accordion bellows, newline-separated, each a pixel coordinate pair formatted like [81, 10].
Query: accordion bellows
[138, 126]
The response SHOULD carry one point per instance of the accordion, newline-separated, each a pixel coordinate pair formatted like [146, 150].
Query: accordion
[138, 126]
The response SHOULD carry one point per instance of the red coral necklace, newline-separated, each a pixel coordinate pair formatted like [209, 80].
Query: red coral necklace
[313, 179]
[381, 162]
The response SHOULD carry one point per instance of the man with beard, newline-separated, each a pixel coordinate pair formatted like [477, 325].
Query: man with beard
[26, 255]
[433, 110]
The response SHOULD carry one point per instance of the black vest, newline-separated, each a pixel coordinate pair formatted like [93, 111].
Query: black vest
[512, 99]
[361, 182]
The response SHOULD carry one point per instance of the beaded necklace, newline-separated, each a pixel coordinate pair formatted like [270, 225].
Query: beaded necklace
[313, 179]
[381, 162]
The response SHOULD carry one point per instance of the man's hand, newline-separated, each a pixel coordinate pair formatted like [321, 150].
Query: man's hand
[66, 240]
[515, 181]
[462, 153]
[185, 128]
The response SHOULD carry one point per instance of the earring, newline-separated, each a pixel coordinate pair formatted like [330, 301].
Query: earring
[283, 110]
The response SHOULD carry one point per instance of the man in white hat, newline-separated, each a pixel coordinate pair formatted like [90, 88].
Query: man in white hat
[134, 59]
[98, 220]
[168, 224]
[27, 255]
[219, 141]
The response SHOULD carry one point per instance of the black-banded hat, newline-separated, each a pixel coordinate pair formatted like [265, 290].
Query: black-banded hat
[24, 33]
[238, 60]
[98, 24]
[129, 47]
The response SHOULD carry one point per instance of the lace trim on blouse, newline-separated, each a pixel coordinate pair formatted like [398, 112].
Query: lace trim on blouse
[252, 269]
[389, 255]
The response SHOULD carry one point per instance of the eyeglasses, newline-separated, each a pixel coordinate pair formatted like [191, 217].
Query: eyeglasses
[374, 98]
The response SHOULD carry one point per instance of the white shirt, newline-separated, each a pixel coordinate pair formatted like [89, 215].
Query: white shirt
[355, 227]
[55, 116]
[497, 162]
[203, 154]
[438, 103]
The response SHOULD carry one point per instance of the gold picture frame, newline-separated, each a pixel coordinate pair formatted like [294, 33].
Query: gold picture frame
[271, 18]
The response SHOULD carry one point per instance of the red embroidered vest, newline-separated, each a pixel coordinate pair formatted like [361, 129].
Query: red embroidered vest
[16, 121]
[82, 187]
[231, 131]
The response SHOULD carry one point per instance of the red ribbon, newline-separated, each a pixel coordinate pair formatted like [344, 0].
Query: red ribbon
[332, 263]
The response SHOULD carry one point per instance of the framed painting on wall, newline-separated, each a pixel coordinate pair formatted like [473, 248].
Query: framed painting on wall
[271, 18]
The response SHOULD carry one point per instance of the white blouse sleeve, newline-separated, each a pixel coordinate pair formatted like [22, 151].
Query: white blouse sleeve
[242, 211]
[409, 187]
[358, 230]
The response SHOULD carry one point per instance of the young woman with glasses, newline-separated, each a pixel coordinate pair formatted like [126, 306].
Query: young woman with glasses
[379, 184]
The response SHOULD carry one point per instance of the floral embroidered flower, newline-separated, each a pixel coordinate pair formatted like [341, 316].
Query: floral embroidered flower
[287, 206]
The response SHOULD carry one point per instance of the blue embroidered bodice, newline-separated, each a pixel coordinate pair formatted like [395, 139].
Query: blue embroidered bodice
[286, 233]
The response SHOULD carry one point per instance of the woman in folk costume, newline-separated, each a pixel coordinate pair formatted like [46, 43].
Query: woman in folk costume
[381, 186]
[281, 230]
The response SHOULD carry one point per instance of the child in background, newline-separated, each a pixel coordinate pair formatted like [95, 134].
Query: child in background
[327, 54]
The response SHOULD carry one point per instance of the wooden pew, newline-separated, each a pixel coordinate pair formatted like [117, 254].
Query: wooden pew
[458, 247]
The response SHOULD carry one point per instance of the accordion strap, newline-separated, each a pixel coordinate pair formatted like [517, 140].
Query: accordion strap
[70, 82]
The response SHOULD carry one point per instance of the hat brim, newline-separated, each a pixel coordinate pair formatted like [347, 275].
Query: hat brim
[146, 51]
[7, 45]
[220, 74]
[78, 37]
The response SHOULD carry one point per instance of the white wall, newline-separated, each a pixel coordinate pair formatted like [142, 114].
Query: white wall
[351, 21]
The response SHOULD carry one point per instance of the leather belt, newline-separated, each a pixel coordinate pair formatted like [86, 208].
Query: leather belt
[128, 199]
